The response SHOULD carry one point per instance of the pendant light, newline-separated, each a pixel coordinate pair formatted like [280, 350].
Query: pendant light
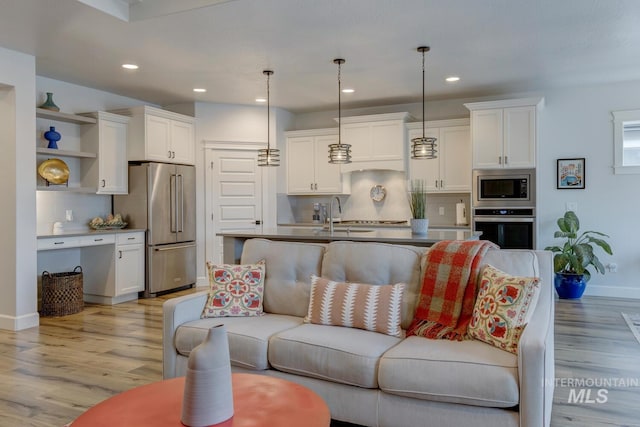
[268, 156]
[423, 147]
[339, 153]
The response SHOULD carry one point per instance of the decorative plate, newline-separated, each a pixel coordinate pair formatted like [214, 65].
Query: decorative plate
[54, 171]
[378, 193]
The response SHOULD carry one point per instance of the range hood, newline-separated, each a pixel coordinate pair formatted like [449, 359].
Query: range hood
[378, 142]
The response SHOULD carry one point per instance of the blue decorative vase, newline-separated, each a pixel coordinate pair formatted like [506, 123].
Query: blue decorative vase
[49, 104]
[570, 286]
[53, 137]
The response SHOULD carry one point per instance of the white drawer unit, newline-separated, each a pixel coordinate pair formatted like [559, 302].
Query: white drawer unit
[113, 263]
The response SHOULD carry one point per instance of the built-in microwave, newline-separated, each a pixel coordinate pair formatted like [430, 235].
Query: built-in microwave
[504, 188]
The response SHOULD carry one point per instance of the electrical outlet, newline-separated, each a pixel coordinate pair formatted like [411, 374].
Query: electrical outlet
[69, 215]
[441, 210]
[571, 206]
[612, 267]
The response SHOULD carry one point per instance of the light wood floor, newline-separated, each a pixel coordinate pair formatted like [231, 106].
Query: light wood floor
[51, 374]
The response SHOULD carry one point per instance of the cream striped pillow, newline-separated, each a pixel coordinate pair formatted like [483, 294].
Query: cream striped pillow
[373, 308]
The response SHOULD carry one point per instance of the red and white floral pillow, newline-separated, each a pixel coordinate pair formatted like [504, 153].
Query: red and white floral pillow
[501, 308]
[235, 290]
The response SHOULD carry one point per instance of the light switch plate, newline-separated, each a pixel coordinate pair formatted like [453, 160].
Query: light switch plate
[571, 206]
[441, 210]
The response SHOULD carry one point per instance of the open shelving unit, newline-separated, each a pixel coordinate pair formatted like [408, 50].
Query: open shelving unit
[64, 117]
[67, 118]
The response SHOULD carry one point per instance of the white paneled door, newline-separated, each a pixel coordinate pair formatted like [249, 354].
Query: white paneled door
[234, 196]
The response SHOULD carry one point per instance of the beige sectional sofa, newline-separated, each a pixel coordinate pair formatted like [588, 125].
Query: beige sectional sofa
[369, 378]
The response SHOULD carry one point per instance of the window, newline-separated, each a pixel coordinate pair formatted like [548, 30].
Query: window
[626, 137]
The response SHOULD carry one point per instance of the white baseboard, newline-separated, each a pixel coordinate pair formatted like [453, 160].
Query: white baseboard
[12, 323]
[613, 291]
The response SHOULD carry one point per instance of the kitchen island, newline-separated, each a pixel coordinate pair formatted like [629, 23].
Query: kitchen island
[234, 241]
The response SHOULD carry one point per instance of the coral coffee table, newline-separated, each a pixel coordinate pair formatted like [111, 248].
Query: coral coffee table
[258, 400]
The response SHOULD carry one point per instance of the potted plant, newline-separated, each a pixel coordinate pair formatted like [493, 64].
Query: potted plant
[571, 260]
[418, 205]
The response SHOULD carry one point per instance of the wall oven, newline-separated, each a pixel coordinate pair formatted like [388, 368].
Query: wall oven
[504, 207]
[508, 228]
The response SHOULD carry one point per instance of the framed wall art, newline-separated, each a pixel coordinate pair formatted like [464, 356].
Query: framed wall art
[571, 174]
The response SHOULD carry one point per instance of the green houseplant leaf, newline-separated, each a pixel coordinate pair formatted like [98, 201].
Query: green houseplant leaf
[577, 252]
[418, 199]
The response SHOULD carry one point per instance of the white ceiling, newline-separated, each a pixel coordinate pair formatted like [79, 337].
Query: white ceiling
[495, 46]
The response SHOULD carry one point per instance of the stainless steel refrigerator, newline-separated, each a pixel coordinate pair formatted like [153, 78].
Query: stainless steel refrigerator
[162, 200]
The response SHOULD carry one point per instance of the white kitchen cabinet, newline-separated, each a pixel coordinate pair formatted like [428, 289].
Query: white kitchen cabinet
[108, 137]
[451, 170]
[377, 141]
[308, 167]
[160, 135]
[113, 264]
[503, 133]
[129, 263]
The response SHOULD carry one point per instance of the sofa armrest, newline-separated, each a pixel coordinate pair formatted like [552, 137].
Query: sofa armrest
[175, 312]
[536, 365]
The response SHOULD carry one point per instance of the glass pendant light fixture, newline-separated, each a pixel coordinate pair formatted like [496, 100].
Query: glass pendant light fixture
[339, 153]
[423, 147]
[268, 156]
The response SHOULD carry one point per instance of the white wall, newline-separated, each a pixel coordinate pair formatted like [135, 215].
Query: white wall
[224, 123]
[577, 122]
[18, 286]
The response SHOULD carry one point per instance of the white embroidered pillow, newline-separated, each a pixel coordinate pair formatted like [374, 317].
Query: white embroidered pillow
[373, 308]
[235, 290]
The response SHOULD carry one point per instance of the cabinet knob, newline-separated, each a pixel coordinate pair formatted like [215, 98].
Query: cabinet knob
[499, 160]
[119, 254]
[441, 183]
[104, 183]
[169, 154]
[311, 186]
[436, 183]
[506, 160]
[173, 154]
[315, 186]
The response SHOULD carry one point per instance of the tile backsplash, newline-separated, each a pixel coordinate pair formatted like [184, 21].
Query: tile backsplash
[359, 205]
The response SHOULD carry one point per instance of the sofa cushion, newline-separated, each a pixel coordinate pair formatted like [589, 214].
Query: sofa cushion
[288, 276]
[343, 355]
[469, 372]
[374, 308]
[235, 290]
[377, 264]
[503, 304]
[248, 336]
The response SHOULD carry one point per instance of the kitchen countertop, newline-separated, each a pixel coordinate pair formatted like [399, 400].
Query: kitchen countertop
[89, 232]
[373, 226]
[399, 236]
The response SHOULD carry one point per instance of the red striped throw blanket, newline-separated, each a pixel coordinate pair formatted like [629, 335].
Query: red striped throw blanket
[449, 289]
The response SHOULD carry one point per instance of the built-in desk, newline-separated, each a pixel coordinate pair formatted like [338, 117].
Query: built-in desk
[112, 262]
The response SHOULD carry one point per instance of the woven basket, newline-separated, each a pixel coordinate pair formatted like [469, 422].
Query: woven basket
[62, 293]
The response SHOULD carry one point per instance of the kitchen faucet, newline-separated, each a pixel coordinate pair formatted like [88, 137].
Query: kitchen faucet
[331, 212]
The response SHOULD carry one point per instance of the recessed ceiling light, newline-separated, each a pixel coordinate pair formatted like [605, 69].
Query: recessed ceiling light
[130, 66]
[348, 90]
[259, 99]
[452, 79]
[199, 90]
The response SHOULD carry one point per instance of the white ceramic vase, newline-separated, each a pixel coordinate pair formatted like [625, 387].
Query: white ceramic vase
[419, 225]
[208, 394]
